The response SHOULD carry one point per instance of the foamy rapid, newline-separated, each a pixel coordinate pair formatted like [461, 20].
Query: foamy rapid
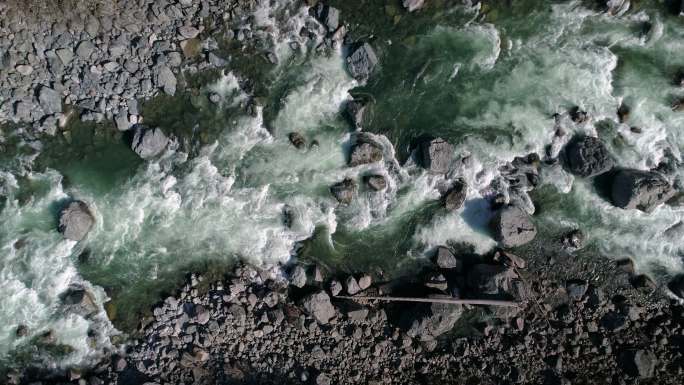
[488, 88]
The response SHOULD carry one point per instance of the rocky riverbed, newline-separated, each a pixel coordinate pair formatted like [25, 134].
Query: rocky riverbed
[559, 312]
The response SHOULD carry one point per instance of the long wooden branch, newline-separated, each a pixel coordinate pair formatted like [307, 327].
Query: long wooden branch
[454, 301]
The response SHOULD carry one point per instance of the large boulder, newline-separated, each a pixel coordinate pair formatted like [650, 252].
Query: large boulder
[364, 153]
[433, 320]
[148, 142]
[75, 221]
[328, 16]
[435, 155]
[513, 227]
[319, 307]
[638, 363]
[361, 62]
[642, 190]
[491, 279]
[445, 259]
[454, 197]
[50, 100]
[588, 156]
[344, 191]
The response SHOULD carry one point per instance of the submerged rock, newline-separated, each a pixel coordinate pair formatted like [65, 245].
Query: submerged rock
[319, 307]
[435, 155]
[361, 62]
[643, 190]
[75, 221]
[344, 191]
[638, 363]
[297, 139]
[588, 156]
[148, 142]
[513, 227]
[454, 197]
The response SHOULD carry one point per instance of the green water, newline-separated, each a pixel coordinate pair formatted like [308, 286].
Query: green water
[487, 80]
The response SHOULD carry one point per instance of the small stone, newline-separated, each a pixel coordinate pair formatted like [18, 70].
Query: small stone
[297, 140]
[335, 287]
[365, 281]
[376, 182]
[352, 285]
[298, 276]
[24, 69]
[188, 32]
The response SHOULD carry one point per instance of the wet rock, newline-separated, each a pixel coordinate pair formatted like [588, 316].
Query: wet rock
[50, 100]
[361, 62]
[22, 331]
[298, 276]
[318, 306]
[435, 155]
[148, 142]
[434, 321]
[328, 16]
[354, 111]
[455, 196]
[638, 363]
[572, 240]
[344, 191]
[437, 281]
[297, 140]
[578, 116]
[623, 112]
[376, 182]
[445, 259]
[364, 153]
[413, 5]
[513, 227]
[75, 221]
[642, 190]
[617, 7]
[79, 299]
[588, 156]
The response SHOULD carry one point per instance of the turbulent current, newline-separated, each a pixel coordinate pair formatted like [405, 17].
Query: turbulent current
[496, 82]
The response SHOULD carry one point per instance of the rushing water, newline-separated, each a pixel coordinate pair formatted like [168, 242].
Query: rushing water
[488, 80]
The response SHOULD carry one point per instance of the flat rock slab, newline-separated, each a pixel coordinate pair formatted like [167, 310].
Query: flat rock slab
[513, 227]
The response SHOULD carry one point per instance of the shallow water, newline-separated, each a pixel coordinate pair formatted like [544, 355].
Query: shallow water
[488, 80]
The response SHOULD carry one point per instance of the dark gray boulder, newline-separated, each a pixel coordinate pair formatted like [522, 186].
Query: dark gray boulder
[297, 139]
[79, 300]
[487, 279]
[375, 182]
[435, 155]
[513, 227]
[344, 191]
[638, 363]
[148, 142]
[319, 307]
[434, 320]
[445, 259]
[454, 197]
[364, 153]
[328, 16]
[354, 111]
[75, 221]
[588, 156]
[642, 190]
[361, 62]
